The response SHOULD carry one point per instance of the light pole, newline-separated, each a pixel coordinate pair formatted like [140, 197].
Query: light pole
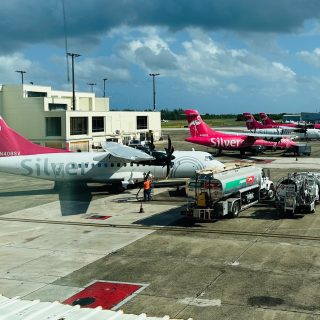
[91, 84]
[153, 75]
[73, 55]
[104, 87]
[22, 72]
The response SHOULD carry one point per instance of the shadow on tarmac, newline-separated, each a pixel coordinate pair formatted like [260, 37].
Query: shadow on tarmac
[73, 198]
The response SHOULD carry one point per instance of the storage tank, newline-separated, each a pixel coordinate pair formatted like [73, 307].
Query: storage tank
[222, 183]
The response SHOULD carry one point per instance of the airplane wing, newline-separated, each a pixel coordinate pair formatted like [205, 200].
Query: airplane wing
[124, 152]
[258, 135]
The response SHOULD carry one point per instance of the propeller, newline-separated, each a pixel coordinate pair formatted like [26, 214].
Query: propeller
[151, 144]
[169, 155]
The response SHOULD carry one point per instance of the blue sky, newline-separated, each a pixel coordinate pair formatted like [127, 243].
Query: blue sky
[216, 56]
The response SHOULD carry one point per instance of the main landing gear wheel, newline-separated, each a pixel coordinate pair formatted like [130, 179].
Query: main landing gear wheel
[235, 210]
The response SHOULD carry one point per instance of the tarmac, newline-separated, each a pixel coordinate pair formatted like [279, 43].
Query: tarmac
[261, 265]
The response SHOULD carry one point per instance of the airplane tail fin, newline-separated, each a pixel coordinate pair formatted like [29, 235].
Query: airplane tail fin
[196, 125]
[13, 144]
[251, 122]
[265, 119]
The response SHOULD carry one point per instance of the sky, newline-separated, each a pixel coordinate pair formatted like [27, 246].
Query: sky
[216, 56]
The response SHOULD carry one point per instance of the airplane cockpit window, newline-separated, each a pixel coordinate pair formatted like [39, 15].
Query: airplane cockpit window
[208, 158]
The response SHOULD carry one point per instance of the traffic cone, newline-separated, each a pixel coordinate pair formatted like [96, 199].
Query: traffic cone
[141, 208]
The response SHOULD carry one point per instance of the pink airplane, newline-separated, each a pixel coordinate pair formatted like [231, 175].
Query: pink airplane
[202, 134]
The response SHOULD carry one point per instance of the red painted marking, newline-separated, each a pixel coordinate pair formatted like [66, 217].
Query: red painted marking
[99, 217]
[105, 294]
[250, 179]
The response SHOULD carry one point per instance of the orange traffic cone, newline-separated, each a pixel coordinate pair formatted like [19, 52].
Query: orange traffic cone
[141, 208]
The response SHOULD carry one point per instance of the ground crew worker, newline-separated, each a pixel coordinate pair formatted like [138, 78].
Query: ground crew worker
[147, 190]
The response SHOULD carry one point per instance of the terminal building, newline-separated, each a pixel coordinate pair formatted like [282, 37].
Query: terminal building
[50, 118]
[303, 116]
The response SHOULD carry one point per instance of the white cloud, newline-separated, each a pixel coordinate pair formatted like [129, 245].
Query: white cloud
[203, 62]
[312, 58]
[10, 63]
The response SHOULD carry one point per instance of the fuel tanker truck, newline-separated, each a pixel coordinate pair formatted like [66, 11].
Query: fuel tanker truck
[298, 191]
[227, 191]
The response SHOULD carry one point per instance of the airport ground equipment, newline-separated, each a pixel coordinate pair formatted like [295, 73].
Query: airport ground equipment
[217, 193]
[298, 191]
[300, 150]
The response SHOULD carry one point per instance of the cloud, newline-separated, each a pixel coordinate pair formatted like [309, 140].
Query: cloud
[202, 62]
[312, 58]
[35, 21]
[10, 63]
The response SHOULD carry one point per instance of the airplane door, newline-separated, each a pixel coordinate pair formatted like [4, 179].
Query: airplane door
[58, 170]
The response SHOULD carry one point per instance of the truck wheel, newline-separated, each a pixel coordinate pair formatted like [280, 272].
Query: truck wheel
[235, 210]
[271, 192]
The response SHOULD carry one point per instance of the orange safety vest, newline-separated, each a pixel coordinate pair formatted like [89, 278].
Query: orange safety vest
[146, 185]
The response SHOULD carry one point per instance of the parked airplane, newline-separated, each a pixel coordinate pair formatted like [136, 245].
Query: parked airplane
[299, 132]
[269, 123]
[119, 165]
[202, 134]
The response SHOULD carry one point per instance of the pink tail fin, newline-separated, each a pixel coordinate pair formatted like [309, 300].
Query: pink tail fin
[196, 125]
[13, 144]
[265, 119]
[251, 122]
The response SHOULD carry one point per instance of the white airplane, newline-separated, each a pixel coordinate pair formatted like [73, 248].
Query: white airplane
[118, 165]
[294, 132]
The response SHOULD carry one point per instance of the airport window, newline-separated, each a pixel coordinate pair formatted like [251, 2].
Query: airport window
[97, 124]
[142, 122]
[57, 106]
[53, 126]
[78, 125]
[34, 94]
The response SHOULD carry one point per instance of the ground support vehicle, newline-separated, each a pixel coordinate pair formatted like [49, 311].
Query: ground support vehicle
[300, 150]
[216, 193]
[298, 192]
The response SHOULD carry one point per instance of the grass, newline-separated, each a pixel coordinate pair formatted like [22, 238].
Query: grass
[210, 122]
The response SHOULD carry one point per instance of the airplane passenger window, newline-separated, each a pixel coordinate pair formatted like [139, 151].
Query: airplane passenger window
[118, 164]
[79, 165]
[86, 165]
[125, 164]
[131, 164]
[112, 164]
[105, 165]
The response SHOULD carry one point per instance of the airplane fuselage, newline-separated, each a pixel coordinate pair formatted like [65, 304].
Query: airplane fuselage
[101, 167]
[229, 142]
